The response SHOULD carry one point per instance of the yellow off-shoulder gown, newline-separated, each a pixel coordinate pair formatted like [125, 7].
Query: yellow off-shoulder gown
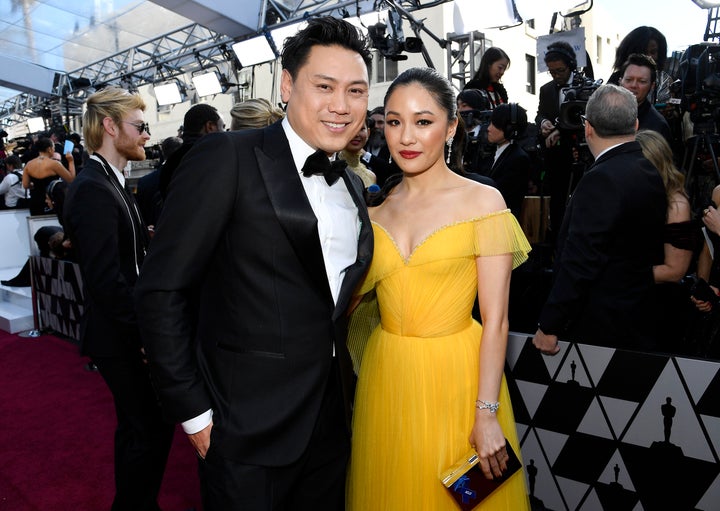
[415, 400]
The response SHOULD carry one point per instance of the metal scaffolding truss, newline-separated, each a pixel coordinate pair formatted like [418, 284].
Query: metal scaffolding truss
[183, 51]
[164, 57]
[187, 49]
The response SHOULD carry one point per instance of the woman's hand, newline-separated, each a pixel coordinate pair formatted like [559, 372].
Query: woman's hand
[711, 219]
[488, 441]
[701, 305]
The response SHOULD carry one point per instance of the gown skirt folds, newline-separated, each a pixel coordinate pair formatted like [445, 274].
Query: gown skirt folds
[415, 400]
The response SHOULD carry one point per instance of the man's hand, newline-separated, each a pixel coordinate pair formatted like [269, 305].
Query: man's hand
[552, 139]
[547, 344]
[201, 440]
[546, 127]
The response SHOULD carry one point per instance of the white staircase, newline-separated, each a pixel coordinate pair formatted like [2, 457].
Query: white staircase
[16, 314]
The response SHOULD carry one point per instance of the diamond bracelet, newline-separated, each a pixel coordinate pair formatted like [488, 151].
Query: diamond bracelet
[486, 405]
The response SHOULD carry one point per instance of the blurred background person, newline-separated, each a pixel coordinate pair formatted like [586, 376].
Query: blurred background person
[556, 144]
[474, 109]
[638, 75]
[377, 156]
[148, 186]
[703, 338]
[11, 186]
[681, 240]
[40, 171]
[493, 65]
[199, 120]
[254, 113]
[651, 42]
[376, 144]
[511, 164]
[353, 153]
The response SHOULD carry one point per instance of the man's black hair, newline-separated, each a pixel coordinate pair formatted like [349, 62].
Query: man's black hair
[197, 116]
[641, 60]
[324, 31]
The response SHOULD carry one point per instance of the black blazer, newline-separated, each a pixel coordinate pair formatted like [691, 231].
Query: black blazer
[548, 103]
[610, 239]
[243, 239]
[511, 172]
[109, 240]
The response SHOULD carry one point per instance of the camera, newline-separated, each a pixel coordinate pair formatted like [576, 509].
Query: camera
[575, 101]
[477, 147]
[700, 89]
[699, 289]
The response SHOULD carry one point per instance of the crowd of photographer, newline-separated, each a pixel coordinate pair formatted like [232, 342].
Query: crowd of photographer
[553, 155]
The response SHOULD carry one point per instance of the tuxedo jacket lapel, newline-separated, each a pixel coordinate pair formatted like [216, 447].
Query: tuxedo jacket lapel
[291, 206]
[365, 244]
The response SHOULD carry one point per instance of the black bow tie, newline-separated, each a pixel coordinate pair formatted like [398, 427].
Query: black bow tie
[318, 163]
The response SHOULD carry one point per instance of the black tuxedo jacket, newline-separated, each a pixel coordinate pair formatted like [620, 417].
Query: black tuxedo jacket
[548, 103]
[238, 239]
[610, 239]
[511, 172]
[109, 240]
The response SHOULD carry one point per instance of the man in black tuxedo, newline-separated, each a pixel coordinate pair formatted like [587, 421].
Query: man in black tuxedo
[511, 165]
[109, 239]
[259, 373]
[610, 238]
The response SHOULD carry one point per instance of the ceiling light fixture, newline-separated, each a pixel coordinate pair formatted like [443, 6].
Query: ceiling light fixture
[253, 51]
[168, 94]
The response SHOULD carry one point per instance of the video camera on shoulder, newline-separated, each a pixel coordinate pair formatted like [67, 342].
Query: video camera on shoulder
[575, 100]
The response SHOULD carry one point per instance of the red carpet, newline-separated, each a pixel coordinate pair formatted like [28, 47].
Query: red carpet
[56, 434]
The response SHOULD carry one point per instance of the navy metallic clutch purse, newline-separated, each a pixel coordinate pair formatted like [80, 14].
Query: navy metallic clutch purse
[468, 485]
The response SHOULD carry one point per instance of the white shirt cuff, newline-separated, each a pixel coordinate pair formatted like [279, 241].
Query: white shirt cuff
[198, 423]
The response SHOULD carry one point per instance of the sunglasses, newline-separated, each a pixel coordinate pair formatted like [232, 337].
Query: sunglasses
[142, 127]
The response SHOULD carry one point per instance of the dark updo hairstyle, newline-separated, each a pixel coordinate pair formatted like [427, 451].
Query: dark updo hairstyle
[482, 79]
[441, 90]
[43, 144]
[637, 41]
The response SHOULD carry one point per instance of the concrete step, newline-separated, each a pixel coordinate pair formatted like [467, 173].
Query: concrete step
[15, 305]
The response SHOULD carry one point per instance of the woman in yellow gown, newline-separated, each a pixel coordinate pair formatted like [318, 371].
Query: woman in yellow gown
[430, 376]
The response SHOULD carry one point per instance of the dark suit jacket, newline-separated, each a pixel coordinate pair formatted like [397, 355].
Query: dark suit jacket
[244, 239]
[548, 103]
[511, 172]
[147, 196]
[109, 241]
[650, 119]
[610, 238]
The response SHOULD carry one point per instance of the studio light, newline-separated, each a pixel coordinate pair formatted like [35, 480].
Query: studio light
[706, 4]
[253, 51]
[280, 34]
[36, 124]
[168, 94]
[207, 84]
[367, 19]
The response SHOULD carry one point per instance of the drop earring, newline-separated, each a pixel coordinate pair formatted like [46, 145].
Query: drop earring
[449, 150]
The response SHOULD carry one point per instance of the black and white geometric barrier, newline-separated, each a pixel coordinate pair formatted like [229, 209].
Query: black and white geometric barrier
[616, 430]
[59, 291]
